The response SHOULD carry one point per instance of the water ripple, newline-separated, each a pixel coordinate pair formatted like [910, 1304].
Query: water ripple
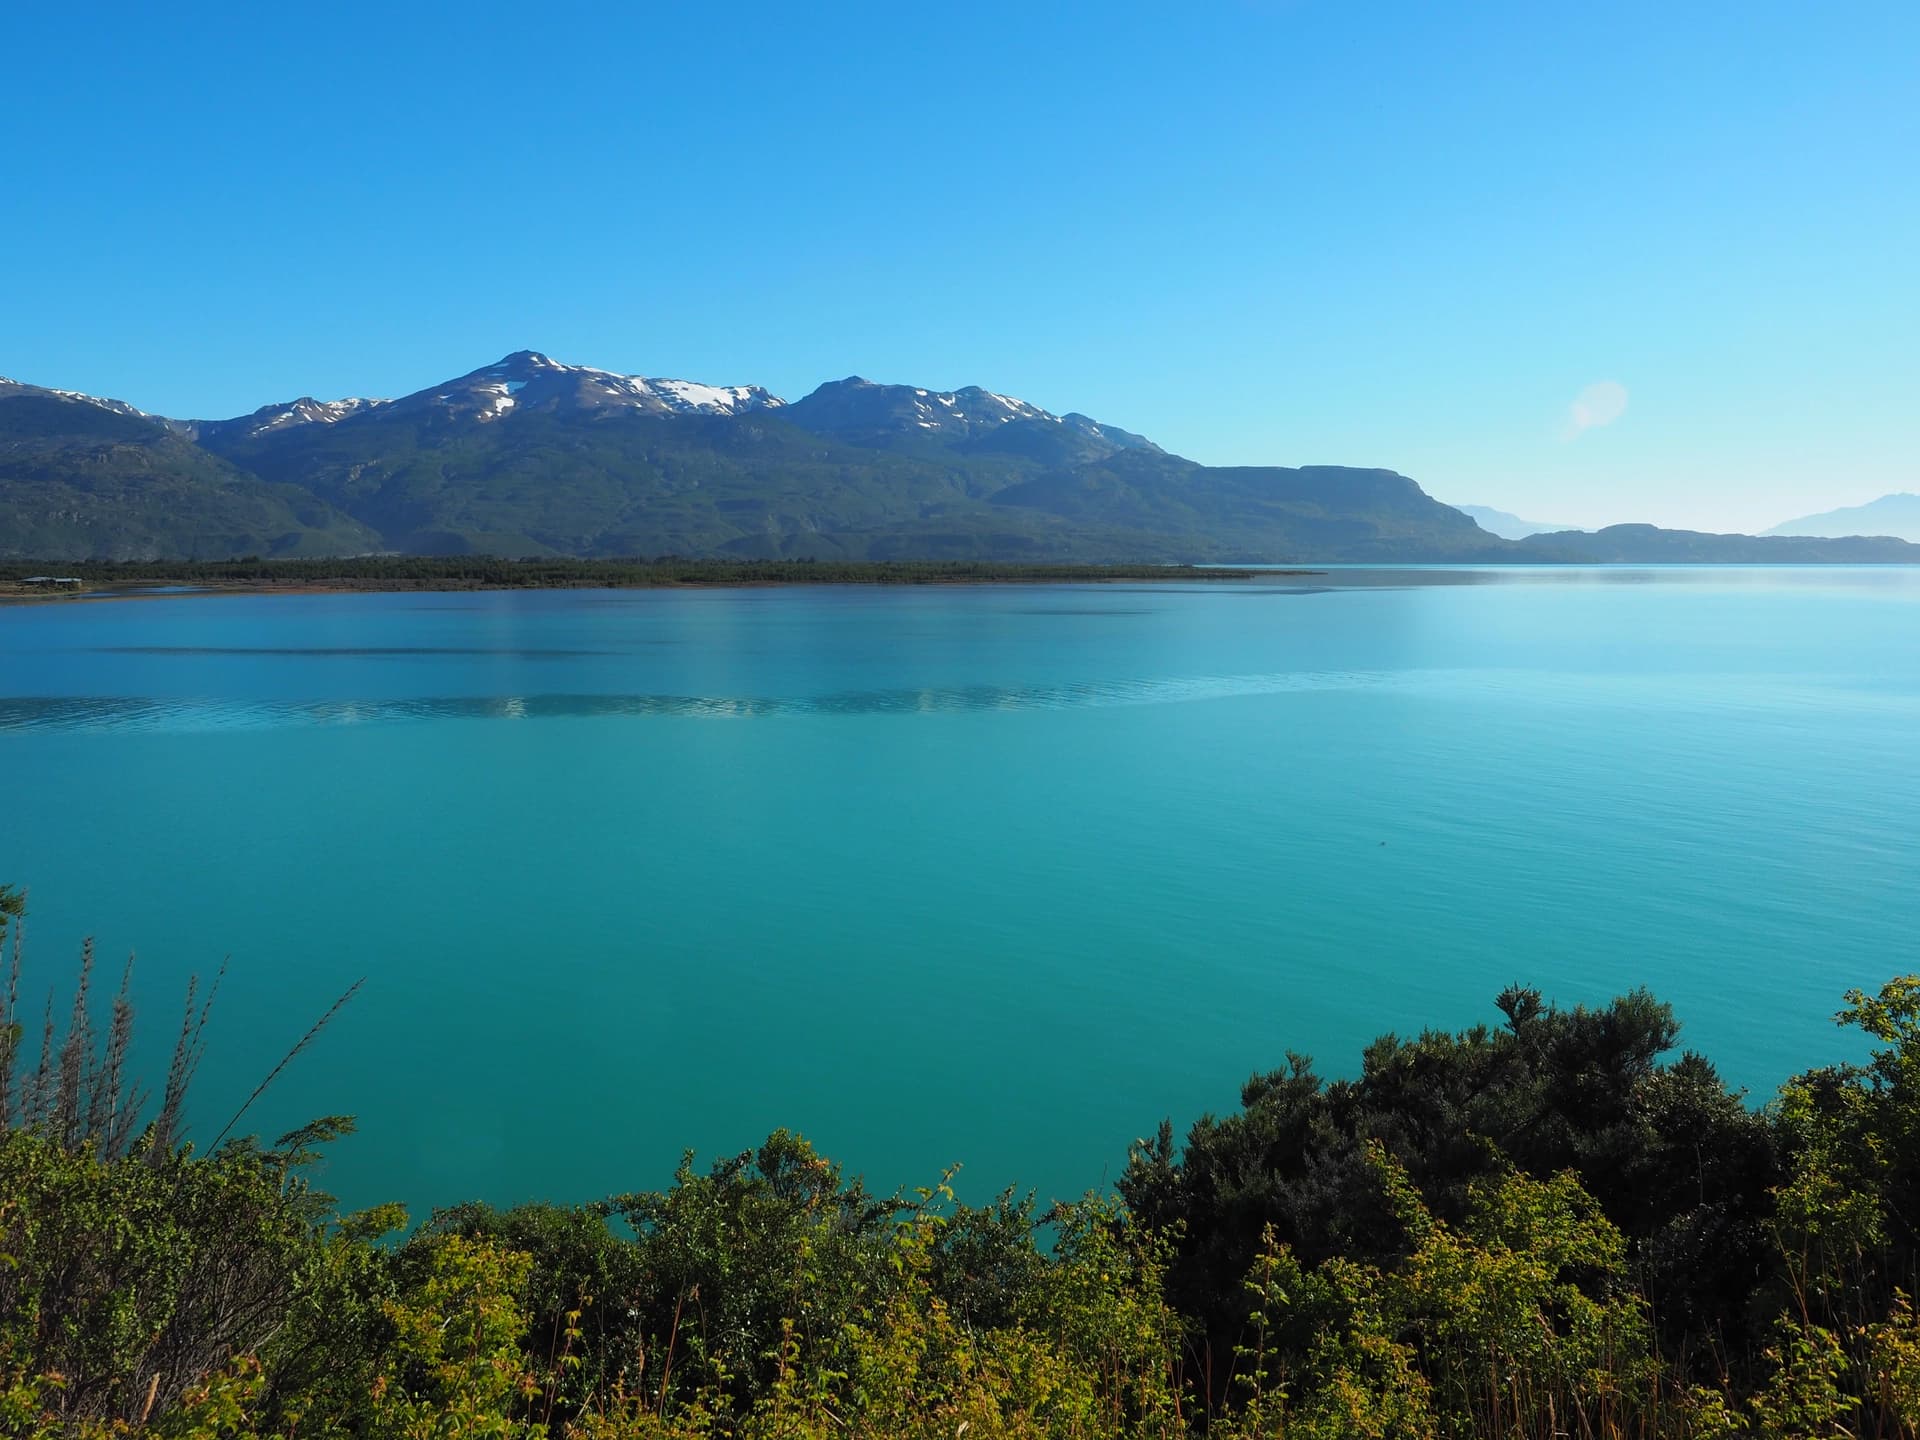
[347, 651]
[133, 713]
[164, 714]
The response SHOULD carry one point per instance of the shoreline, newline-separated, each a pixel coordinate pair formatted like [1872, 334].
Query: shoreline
[159, 584]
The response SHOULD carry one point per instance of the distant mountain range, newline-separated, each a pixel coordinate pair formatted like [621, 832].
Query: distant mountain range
[1508, 526]
[1896, 515]
[1651, 545]
[530, 457]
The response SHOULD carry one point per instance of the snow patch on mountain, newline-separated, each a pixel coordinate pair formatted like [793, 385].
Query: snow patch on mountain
[1017, 408]
[858, 407]
[304, 411]
[536, 381]
[528, 381]
[118, 407]
[712, 399]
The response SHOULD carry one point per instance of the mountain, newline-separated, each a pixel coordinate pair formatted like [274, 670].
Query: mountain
[527, 382]
[972, 421]
[304, 411]
[1650, 545]
[1896, 515]
[1505, 525]
[87, 478]
[12, 389]
[1257, 513]
[529, 456]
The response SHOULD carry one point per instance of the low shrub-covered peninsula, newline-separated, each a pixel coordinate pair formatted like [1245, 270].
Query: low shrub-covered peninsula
[1549, 1226]
[485, 572]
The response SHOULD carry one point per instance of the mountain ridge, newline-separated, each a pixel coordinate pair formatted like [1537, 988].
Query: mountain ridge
[529, 456]
[1652, 545]
[1507, 525]
[1896, 515]
[80, 479]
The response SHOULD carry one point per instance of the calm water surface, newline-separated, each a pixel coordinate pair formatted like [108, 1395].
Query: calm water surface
[992, 875]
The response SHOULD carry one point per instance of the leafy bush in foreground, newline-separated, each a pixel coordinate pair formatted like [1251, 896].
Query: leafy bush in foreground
[1535, 1231]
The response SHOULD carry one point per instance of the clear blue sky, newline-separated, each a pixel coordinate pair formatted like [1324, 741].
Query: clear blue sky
[1403, 234]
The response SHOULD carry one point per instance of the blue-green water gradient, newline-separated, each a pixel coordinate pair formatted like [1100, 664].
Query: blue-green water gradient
[999, 875]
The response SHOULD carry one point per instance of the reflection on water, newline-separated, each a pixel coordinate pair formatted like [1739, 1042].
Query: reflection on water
[322, 652]
[112, 713]
[1119, 859]
[122, 713]
[1071, 610]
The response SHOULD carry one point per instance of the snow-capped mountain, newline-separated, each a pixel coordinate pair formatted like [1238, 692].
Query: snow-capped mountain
[268, 418]
[521, 382]
[529, 381]
[856, 406]
[291, 415]
[853, 470]
[10, 388]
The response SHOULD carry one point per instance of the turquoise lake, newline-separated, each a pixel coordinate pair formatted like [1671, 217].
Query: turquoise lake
[993, 875]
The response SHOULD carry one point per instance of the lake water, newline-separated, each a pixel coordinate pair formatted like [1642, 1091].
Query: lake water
[991, 875]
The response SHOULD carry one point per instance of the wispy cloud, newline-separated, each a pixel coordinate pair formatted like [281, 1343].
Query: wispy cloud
[1600, 403]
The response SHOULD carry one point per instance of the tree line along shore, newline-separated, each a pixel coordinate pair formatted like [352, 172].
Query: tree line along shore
[490, 573]
[1549, 1225]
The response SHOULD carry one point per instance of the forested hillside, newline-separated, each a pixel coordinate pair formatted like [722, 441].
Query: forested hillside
[528, 457]
[80, 481]
[532, 458]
